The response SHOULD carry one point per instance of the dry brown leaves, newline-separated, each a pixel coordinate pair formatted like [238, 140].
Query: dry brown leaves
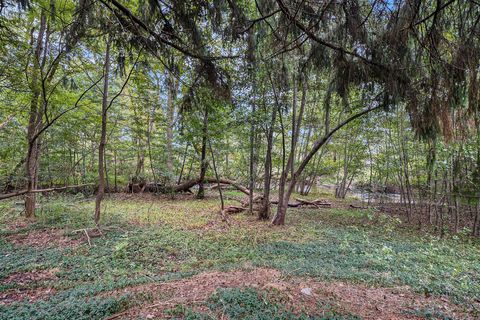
[21, 294]
[18, 224]
[366, 302]
[21, 280]
[43, 238]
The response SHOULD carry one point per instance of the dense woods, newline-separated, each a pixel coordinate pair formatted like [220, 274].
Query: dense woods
[285, 96]
[283, 104]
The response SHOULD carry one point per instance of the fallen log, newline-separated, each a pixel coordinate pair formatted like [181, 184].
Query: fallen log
[216, 186]
[257, 199]
[357, 207]
[22, 192]
[187, 185]
[290, 204]
[230, 210]
[316, 203]
[190, 183]
[233, 210]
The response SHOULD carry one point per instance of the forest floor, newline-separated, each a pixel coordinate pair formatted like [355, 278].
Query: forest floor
[165, 258]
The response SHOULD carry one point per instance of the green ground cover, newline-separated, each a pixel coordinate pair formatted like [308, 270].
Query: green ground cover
[147, 241]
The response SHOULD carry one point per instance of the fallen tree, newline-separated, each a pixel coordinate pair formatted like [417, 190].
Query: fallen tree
[138, 187]
[190, 183]
[290, 204]
[316, 203]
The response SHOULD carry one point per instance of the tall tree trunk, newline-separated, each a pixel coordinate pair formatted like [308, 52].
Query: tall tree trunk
[264, 212]
[284, 196]
[115, 171]
[35, 122]
[140, 168]
[340, 191]
[151, 123]
[103, 137]
[203, 160]
[252, 156]
[172, 85]
[219, 185]
[32, 173]
[180, 175]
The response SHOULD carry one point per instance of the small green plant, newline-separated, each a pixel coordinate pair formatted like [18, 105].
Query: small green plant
[430, 313]
[324, 244]
[249, 303]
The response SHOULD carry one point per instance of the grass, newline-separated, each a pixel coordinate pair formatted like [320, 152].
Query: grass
[160, 240]
[252, 304]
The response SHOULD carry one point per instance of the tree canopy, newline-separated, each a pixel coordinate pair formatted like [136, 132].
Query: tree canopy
[272, 95]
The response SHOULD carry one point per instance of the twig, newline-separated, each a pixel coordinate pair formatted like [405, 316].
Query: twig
[88, 237]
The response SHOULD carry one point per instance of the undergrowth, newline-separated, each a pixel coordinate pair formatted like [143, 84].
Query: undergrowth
[148, 240]
[252, 304]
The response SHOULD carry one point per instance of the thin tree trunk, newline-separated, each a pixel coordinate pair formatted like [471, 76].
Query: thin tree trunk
[264, 212]
[103, 137]
[151, 123]
[115, 170]
[180, 175]
[252, 155]
[216, 176]
[279, 218]
[105, 165]
[283, 196]
[172, 85]
[340, 191]
[203, 161]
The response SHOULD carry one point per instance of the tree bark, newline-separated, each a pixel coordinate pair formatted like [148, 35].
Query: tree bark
[252, 158]
[35, 122]
[341, 190]
[103, 137]
[203, 161]
[284, 196]
[172, 85]
[222, 204]
[264, 212]
[190, 183]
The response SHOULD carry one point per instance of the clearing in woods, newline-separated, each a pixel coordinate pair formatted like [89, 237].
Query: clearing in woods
[157, 257]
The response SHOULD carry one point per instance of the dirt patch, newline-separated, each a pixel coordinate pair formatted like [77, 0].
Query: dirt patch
[377, 303]
[23, 278]
[18, 224]
[22, 294]
[366, 302]
[43, 238]
[192, 290]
